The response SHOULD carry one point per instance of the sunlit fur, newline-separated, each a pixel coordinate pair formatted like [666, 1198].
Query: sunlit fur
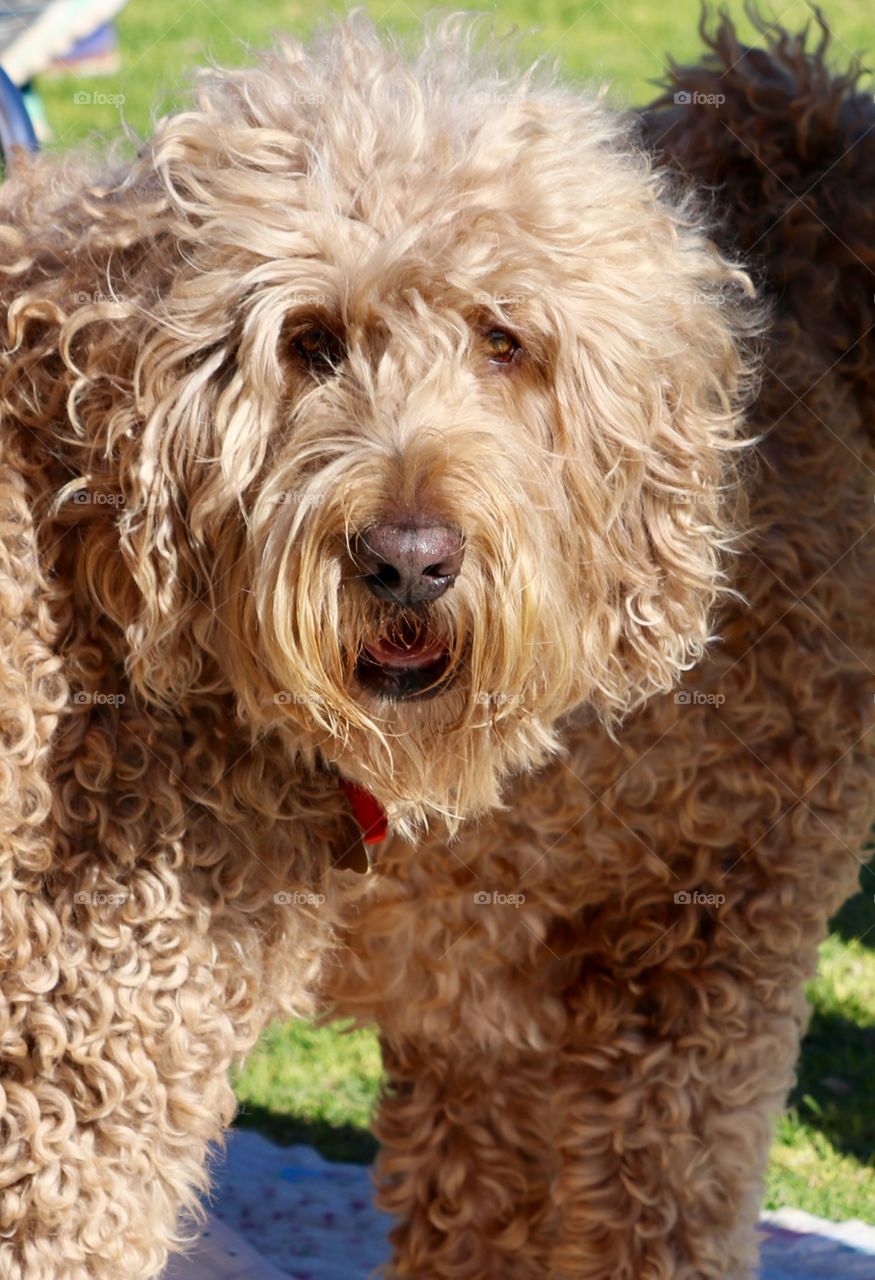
[181, 613]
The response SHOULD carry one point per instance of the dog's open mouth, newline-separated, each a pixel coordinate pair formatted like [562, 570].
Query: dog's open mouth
[407, 662]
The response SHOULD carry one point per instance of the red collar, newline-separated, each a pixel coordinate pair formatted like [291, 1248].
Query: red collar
[369, 813]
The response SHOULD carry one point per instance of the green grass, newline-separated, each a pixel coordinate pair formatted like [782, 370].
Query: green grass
[822, 1158]
[623, 42]
[313, 1084]
[304, 1084]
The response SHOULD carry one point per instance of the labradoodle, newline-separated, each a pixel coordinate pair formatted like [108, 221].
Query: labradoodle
[410, 465]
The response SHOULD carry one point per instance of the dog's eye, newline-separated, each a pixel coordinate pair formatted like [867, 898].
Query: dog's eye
[502, 346]
[319, 348]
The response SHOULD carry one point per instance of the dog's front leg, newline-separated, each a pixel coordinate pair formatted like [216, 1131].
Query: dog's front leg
[465, 1165]
[668, 1088]
[124, 1005]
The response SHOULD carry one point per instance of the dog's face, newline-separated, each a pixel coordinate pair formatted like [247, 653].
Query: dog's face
[435, 394]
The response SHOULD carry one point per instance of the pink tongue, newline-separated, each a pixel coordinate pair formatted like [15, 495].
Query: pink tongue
[396, 655]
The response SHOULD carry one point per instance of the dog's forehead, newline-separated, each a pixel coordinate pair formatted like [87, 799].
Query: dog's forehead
[391, 257]
[408, 203]
[358, 176]
[457, 215]
[399, 157]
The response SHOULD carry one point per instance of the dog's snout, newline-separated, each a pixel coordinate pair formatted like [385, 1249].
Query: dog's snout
[409, 563]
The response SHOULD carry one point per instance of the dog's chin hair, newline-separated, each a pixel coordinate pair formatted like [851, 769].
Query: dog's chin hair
[441, 759]
[432, 764]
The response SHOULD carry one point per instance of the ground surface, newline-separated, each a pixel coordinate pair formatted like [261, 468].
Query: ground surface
[319, 1086]
[284, 1213]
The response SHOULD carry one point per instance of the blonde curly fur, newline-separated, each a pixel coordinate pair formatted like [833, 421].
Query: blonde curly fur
[578, 1086]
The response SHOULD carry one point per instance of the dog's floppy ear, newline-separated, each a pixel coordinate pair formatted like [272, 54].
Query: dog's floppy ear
[653, 369]
[171, 439]
[126, 485]
[164, 438]
[175, 381]
[201, 439]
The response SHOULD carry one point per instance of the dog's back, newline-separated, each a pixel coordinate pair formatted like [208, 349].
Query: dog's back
[788, 149]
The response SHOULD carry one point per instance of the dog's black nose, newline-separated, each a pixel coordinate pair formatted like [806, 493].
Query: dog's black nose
[409, 563]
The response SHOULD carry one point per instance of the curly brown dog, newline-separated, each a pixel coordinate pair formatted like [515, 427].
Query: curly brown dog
[381, 456]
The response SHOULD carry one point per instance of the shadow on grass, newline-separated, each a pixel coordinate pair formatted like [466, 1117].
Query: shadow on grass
[334, 1142]
[856, 919]
[834, 1090]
